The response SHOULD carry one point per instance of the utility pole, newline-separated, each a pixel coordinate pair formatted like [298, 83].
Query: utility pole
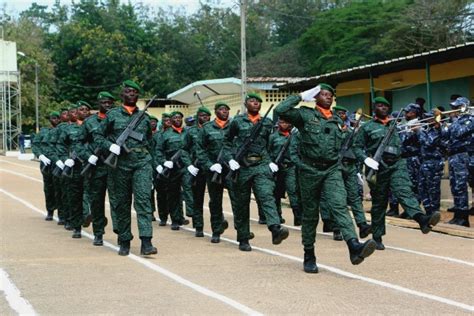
[243, 53]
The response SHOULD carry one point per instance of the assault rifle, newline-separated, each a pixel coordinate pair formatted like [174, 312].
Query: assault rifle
[129, 131]
[281, 155]
[217, 177]
[242, 150]
[371, 176]
[87, 168]
[348, 142]
[176, 159]
[68, 171]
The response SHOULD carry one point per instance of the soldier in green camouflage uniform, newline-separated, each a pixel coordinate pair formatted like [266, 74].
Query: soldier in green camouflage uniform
[172, 142]
[160, 182]
[209, 146]
[286, 175]
[392, 173]
[132, 175]
[351, 176]
[69, 144]
[154, 129]
[256, 173]
[42, 149]
[196, 170]
[97, 175]
[320, 174]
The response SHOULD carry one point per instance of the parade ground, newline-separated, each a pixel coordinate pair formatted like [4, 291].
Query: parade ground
[45, 271]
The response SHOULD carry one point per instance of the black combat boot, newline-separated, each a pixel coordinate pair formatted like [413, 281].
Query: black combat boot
[393, 211]
[124, 248]
[451, 209]
[174, 226]
[244, 245]
[364, 229]
[199, 232]
[147, 248]
[60, 221]
[461, 218]
[427, 222]
[67, 226]
[185, 221]
[224, 226]
[87, 220]
[278, 234]
[162, 222]
[336, 235]
[98, 240]
[297, 221]
[216, 238]
[309, 263]
[378, 244]
[50, 215]
[76, 233]
[327, 227]
[359, 251]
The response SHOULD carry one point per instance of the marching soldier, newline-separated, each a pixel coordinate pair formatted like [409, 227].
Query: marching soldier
[391, 173]
[133, 172]
[97, 177]
[209, 147]
[352, 178]
[172, 144]
[197, 181]
[42, 149]
[319, 173]
[460, 136]
[286, 175]
[255, 173]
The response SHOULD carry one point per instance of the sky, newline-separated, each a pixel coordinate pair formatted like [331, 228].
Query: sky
[16, 6]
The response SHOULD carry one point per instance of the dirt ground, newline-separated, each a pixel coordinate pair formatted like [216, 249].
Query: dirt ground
[45, 271]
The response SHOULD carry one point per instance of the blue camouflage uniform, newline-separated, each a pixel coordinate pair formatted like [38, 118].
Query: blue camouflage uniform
[459, 135]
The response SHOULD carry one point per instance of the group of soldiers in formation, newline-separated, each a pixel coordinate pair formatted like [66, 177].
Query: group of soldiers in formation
[314, 154]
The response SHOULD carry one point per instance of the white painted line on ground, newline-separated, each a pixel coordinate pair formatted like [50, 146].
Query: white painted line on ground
[13, 296]
[19, 164]
[453, 260]
[355, 276]
[198, 288]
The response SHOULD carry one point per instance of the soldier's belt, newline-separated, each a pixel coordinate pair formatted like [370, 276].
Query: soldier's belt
[254, 158]
[319, 164]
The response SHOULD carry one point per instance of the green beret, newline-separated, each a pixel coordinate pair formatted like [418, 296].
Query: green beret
[340, 108]
[81, 103]
[105, 95]
[203, 109]
[132, 84]
[153, 117]
[175, 113]
[253, 95]
[381, 100]
[327, 87]
[54, 113]
[219, 104]
[165, 115]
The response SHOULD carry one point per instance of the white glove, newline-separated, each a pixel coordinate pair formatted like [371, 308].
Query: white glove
[168, 164]
[360, 179]
[217, 167]
[234, 165]
[372, 164]
[309, 95]
[93, 159]
[60, 164]
[159, 169]
[273, 167]
[69, 163]
[44, 159]
[114, 148]
[193, 170]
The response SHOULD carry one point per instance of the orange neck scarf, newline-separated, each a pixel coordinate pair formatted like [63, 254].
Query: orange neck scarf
[129, 109]
[384, 121]
[327, 113]
[285, 133]
[101, 115]
[178, 129]
[254, 118]
[220, 123]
